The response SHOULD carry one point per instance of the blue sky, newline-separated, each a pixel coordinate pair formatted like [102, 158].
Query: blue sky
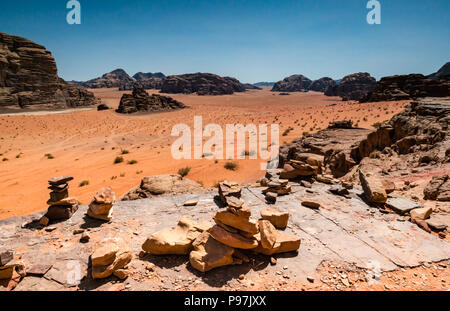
[252, 40]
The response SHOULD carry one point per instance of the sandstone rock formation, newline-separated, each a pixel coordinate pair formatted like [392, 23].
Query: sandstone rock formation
[202, 84]
[102, 206]
[146, 81]
[277, 218]
[294, 83]
[353, 87]
[408, 87]
[160, 185]
[140, 101]
[110, 258]
[322, 84]
[176, 241]
[438, 188]
[373, 187]
[29, 78]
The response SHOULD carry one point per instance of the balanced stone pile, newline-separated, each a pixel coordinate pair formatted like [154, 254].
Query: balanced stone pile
[304, 165]
[275, 186]
[235, 232]
[61, 206]
[101, 206]
[112, 257]
[11, 272]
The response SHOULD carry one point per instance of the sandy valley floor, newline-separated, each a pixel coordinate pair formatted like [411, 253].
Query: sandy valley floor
[84, 144]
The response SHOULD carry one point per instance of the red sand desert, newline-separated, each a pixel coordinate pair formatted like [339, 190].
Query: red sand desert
[84, 144]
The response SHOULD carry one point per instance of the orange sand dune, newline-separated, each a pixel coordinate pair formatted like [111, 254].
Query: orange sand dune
[84, 144]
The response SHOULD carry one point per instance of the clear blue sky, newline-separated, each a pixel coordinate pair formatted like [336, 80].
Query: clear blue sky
[252, 40]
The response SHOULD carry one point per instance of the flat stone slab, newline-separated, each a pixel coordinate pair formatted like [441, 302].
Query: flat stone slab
[343, 230]
[402, 205]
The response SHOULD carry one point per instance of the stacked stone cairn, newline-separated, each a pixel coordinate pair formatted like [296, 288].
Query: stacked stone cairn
[11, 272]
[101, 206]
[225, 243]
[274, 186]
[61, 206]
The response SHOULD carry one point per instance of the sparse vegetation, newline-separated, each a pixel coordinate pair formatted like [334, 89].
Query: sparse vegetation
[184, 171]
[83, 183]
[231, 166]
[118, 160]
[132, 162]
[124, 151]
[49, 156]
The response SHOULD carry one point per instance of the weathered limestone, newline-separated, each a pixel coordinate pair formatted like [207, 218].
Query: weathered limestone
[176, 241]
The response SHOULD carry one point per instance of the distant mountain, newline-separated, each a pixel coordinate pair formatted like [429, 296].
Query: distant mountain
[144, 76]
[294, 83]
[445, 70]
[116, 78]
[259, 84]
[353, 87]
[322, 84]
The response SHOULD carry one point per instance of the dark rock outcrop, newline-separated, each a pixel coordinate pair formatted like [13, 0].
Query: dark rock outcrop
[259, 84]
[140, 76]
[202, 84]
[140, 101]
[322, 84]
[249, 86]
[294, 83]
[146, 81]
[29, 78]
[444, 71]
[117, 78]
[409, 87]
[353, 87]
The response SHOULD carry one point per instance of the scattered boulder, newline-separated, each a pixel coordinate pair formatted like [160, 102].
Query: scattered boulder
[311, 204]
[274, 242]
[421, 213]
[162, 185]
[140, 101]
[373, 187]
[176, 241]
[102, 107]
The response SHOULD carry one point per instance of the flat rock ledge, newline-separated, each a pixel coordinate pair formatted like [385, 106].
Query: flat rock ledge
[344, 230]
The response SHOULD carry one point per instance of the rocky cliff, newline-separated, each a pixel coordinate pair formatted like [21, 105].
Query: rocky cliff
[202, 84]
[353, 87]
[140, 101]
[409, 87]
[29, 78]
[322, 84]
[444, 71]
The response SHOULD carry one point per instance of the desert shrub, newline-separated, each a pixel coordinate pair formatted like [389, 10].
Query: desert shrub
[377, 125]
[231, 166]
[124, 151]
[118, 160]
[132, 162]
[83, 183]
[184, 171]
[49, 156]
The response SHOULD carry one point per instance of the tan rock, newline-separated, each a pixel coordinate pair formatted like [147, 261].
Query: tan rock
[227, 189]
[209, 253]
[105, 196]
[388, 185]
[311, 204]
[373, 187]
[273, 241]
[232, 239]
[100, 216]
[278, 218]
[243, 211]
[63, 202]
[113, 255]
[190, 203]
[324, 179]
[241, 223]
[105, 255]
[176, 241]
[44, 221]
[121, 273]
[421, 213]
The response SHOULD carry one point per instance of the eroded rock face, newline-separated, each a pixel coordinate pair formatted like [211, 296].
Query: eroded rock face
[443, 71]
[160, 185]
[438, 189]
[29, 78]
[140, 101]
[408, 87]
[322, 84]
[353, 87]
[176, 241]
[294, 83]
[202, 84]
